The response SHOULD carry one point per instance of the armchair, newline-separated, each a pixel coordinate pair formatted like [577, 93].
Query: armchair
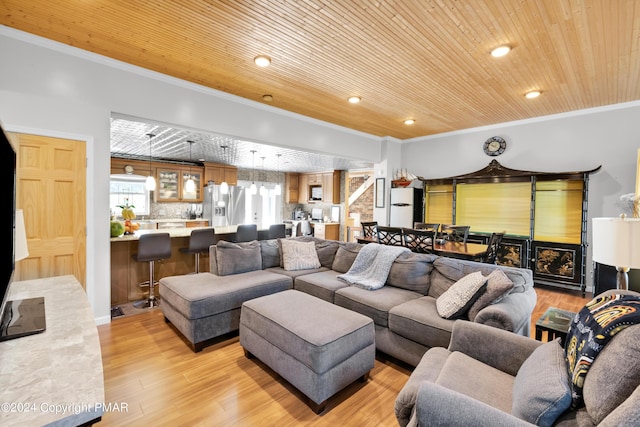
[488, 376]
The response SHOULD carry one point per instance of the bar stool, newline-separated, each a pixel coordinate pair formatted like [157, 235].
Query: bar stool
[152, 247]
[199, 242]
[247, 233]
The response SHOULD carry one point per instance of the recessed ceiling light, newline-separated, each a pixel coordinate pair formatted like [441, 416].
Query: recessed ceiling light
[409, 121]
[532, 94]
[500, 51]
[354, 99]
[262, 60]
[267, 98]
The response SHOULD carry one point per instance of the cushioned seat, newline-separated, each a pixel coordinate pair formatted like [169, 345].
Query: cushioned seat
[322, 285]
[203, 306]
[318, 347]
[374, 304]
[418, 320]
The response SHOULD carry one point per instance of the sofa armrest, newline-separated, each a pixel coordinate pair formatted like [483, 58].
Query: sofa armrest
[437, 405]
[512, 313]
[495, 347]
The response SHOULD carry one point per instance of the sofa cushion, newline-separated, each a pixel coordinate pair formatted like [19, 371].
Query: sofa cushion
[466, 375]
[375, 304]
[345, 256]
[614, 374]
[456, 301]
[295, 273]
[295, 239]
[447, 271]
[411, 271]
[418, 320]
[299, 255]
[541, 391]
[498, 284]
[270, 251]
[322, 285]
[326, 250]
[235, 258]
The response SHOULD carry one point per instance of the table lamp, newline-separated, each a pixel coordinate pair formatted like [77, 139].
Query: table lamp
[616, 242]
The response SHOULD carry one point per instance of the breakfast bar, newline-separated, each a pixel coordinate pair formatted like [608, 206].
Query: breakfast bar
[126, 273]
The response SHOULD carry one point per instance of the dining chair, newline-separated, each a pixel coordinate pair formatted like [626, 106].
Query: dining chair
[389, 235]
[369, 229]
[420, 240]
[247, 233]
[490, 256]
[455, 233]
[426, 226]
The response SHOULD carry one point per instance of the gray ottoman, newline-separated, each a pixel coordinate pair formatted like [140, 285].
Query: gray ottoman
[316, 346]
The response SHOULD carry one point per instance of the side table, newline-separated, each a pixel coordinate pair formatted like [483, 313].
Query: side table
[555, 322]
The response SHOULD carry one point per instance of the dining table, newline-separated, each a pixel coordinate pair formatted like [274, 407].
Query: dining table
[447, 248]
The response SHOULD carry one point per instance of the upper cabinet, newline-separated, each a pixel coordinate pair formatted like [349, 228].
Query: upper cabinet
[219, 173]
[313, 187]
[171, 183]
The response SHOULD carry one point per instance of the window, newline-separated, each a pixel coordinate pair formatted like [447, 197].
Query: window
[131, 189]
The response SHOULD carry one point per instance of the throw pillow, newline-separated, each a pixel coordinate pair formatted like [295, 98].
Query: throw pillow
[345, 256]
[235, 258]
[299, 255]
[457, 300]
[541, 391]
[498, 285]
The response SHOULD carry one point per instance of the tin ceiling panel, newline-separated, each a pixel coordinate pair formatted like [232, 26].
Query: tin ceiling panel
[131, 139]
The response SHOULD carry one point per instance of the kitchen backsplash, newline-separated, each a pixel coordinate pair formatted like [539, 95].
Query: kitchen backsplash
[172, 210]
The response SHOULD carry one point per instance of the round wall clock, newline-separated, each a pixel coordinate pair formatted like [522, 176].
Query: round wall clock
[494, 146]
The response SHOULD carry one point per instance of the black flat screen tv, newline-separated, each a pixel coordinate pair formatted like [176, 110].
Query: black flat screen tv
[24, 317]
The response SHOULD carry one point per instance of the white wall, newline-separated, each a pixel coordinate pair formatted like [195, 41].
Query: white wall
[56, 90]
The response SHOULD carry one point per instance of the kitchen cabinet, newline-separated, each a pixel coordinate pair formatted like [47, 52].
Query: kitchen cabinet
[303, 188]
[304, 185]
[171, 181]
[292, 187]
[219, 173]
[326, 230]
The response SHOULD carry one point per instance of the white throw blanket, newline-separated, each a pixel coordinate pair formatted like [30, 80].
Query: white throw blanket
[372, 265]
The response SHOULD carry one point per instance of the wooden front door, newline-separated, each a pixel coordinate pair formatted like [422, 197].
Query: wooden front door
[51, 188]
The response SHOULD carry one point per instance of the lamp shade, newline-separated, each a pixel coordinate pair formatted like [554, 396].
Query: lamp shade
[616, 241]
[21, 251]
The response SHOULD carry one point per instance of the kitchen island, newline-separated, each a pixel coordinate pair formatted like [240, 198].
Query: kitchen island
[126, 273]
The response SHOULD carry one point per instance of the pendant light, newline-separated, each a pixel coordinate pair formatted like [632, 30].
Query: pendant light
[263, 190]
[278, 189]
[150, 182]
[253, 189]
[190, 186]
[224, 187]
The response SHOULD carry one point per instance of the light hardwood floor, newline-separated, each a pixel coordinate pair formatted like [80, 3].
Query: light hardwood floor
[148, 367]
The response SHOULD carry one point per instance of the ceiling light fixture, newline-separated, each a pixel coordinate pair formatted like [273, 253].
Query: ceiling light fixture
[224, 187]
[278, 189]
[500, 51]
[253, 189]
[532, 94]
[263, 190]
[190, 186]
[409, 121]
[262, 60]
[267, 98]
[150, 182]
[354, 99]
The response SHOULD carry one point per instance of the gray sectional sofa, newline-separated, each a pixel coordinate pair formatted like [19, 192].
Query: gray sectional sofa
[206, 305]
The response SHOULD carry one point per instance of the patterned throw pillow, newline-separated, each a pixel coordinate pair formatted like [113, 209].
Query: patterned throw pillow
[457, 300]
[498, 285]
[299, 255]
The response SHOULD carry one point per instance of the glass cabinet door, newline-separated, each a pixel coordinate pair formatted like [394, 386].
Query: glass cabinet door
[195, 195]
[168, 184]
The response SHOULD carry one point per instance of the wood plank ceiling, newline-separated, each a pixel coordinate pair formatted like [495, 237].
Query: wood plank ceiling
[422, 59]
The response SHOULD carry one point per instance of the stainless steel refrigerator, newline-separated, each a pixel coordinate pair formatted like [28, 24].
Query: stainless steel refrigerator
[406, 207]
[223, 209]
